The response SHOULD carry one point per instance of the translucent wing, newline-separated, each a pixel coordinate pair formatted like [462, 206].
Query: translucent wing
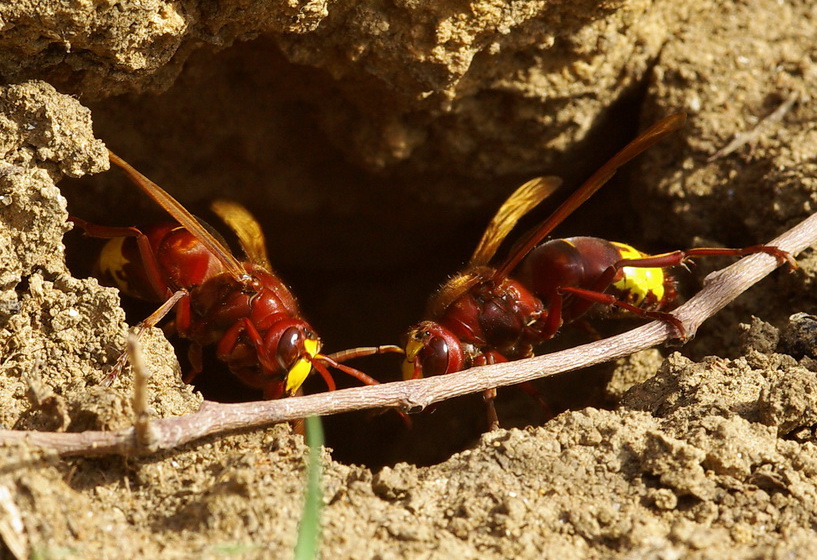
[245, 227]
[522, 201]
[181, 215]
[646, 139]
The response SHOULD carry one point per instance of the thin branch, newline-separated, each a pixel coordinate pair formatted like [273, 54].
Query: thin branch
[721, 287]
[764, 126]
[145, 435]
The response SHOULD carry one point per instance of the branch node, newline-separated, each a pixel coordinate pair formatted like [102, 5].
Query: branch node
[414, 400]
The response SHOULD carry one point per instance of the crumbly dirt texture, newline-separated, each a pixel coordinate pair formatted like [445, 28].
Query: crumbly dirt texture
[374, 140]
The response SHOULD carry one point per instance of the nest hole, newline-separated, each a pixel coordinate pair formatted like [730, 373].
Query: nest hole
[362, 249]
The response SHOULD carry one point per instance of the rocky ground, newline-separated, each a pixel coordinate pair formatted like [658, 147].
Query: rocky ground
[374, 140]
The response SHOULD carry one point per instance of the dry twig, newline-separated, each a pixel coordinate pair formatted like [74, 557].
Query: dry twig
[143, 429]
[764, 126]
[721, 287]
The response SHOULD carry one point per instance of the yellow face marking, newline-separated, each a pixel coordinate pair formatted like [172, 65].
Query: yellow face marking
[413, 348]
[112, 262]
[297, 373]
[639, 281]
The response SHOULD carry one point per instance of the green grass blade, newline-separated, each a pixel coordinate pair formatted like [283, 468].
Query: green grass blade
[309, 530]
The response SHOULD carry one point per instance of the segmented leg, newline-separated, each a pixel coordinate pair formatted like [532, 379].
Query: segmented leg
[607, 299]
[489, 395]
[148, 323]
[364, 351]
[676, 258]
[357, 374]
[246, 327]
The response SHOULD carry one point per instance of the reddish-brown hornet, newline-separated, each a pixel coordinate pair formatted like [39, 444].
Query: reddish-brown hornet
[240, 306]
[483, 316]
